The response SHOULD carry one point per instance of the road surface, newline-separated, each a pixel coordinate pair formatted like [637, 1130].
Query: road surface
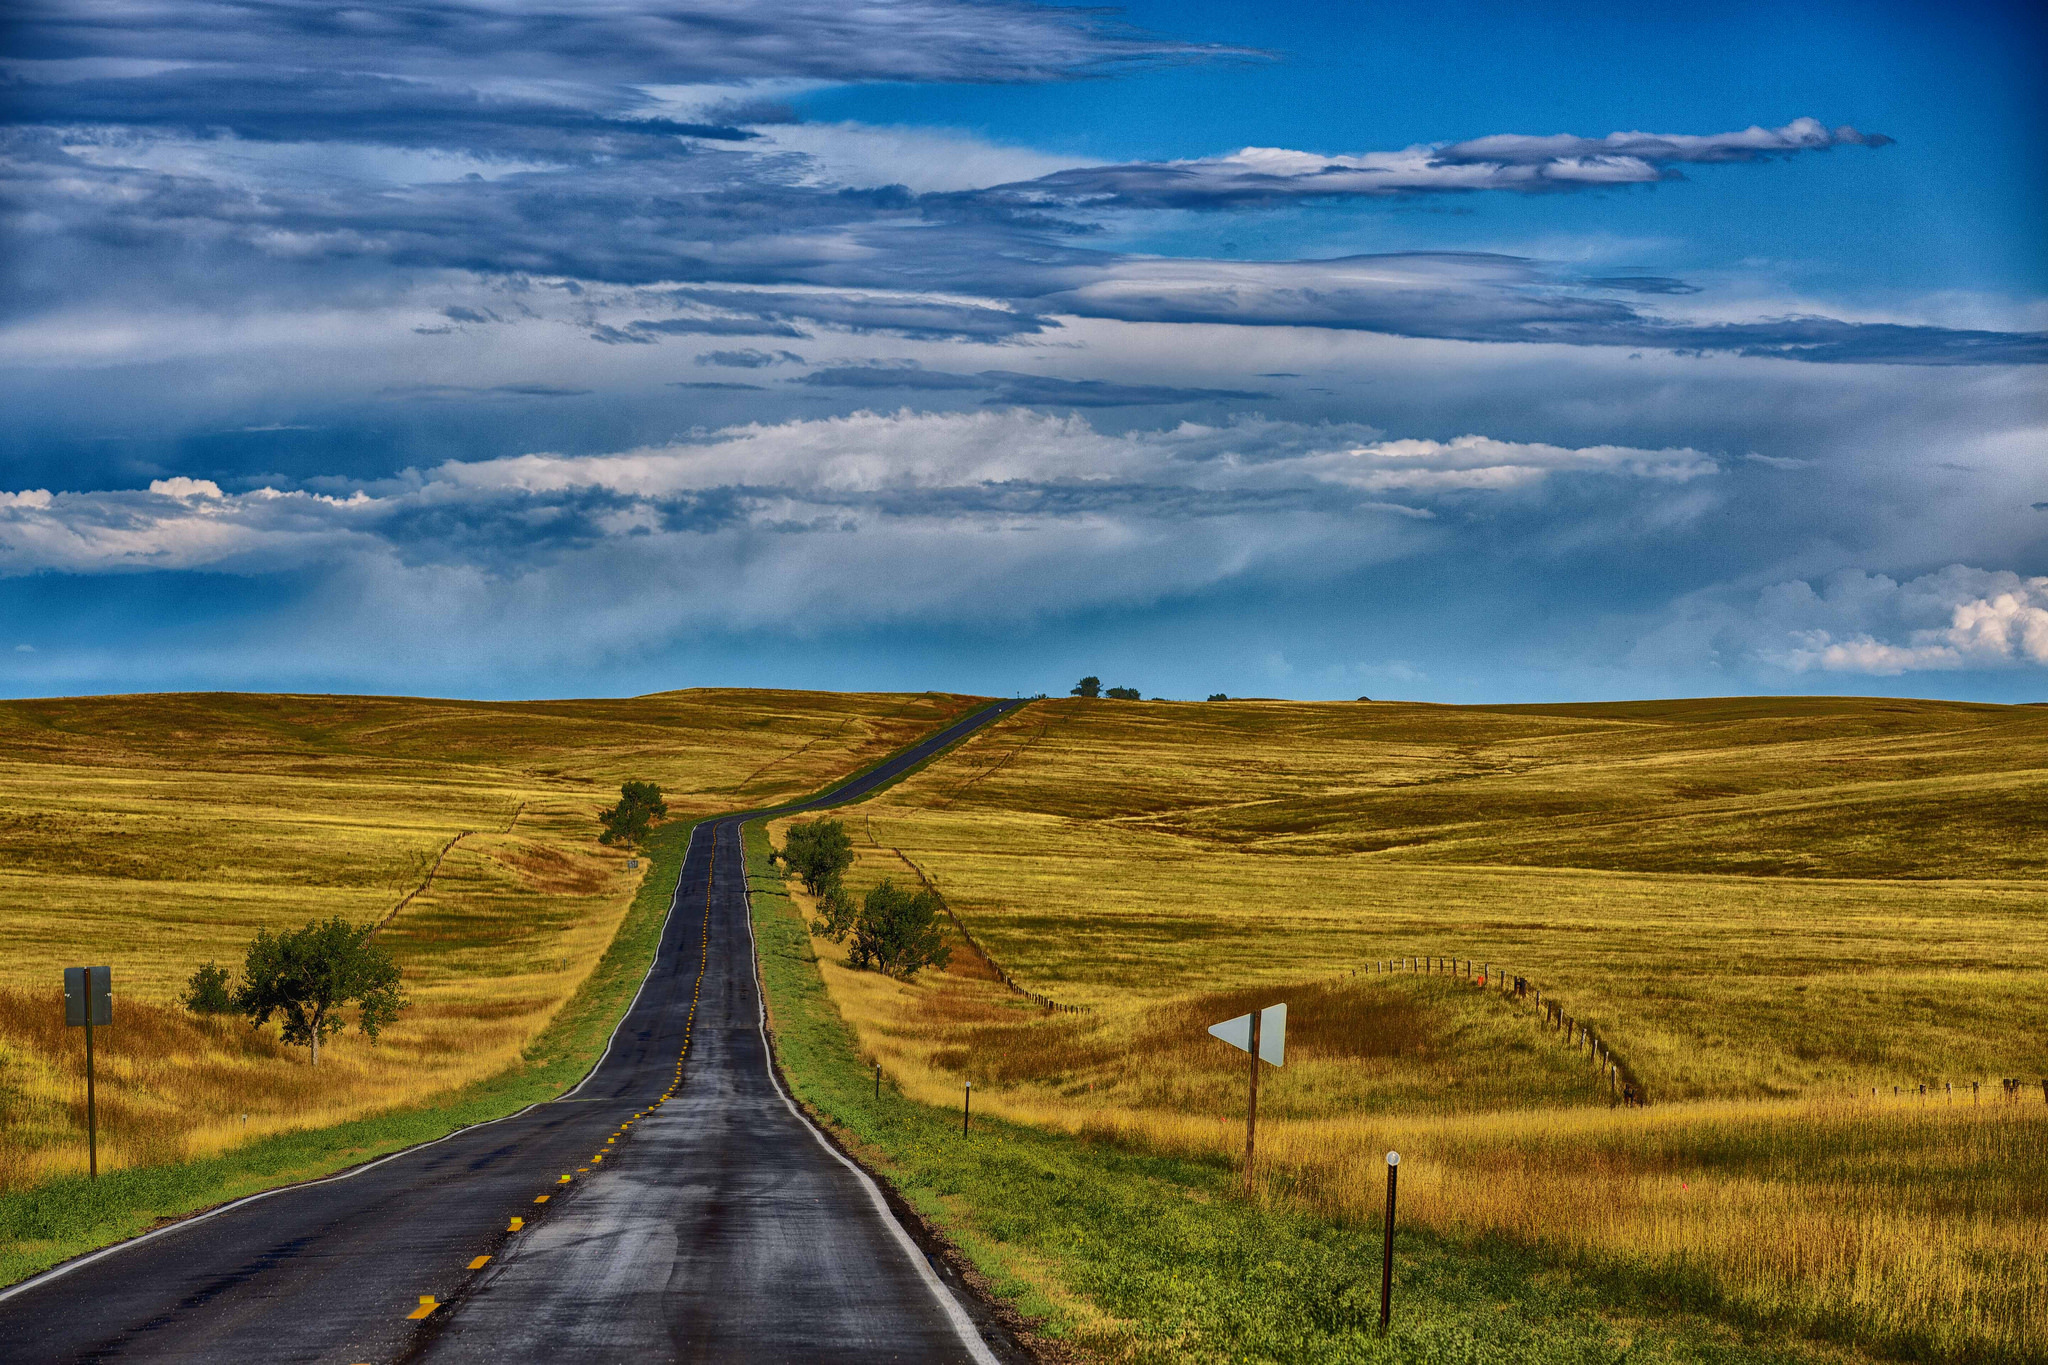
[714, 1224]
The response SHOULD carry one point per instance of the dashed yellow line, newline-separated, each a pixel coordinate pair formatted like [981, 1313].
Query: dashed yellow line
[427, 1305]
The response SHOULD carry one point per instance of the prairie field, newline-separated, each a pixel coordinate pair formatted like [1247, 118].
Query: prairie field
[156, 833]
[1773, 911]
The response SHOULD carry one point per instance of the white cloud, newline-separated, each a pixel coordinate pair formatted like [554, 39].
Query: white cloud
[1994, 619]
[857, 519]
[1508, 161]
[178, 486]
[923, 160]
[1481, 462]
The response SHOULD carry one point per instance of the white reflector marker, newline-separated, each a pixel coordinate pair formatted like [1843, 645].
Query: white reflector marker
[1272, 1033]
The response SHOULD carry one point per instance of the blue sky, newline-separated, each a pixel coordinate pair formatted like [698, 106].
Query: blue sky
[1458, 353]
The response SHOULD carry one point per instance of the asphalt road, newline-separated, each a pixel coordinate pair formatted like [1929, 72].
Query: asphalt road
[715, 1224]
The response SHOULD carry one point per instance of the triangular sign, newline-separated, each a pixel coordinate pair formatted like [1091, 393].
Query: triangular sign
[1236, 1032]
[1272, 1033]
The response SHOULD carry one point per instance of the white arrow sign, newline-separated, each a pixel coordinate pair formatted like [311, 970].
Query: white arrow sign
[1272, 1033]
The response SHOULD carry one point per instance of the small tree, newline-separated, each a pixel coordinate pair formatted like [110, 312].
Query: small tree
[207, 991]
[1217, 696]
[640, 805]
[1090, 686]
[308, 976]
[898, 932]
[819, 851]
[1123, 693]
[836, 913]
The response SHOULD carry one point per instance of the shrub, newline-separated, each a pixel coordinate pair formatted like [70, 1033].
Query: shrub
[1123, 693]
[207, 991]
[1090, 686]
[898, 932]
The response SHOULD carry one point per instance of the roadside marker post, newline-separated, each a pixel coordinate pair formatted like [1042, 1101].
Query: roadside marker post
[89, 1001]
[1387, 1255]
[1263, 1034]
[966, 1106]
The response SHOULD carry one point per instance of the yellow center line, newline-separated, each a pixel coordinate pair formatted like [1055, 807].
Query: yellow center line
[427, 1305]
[479, 1263]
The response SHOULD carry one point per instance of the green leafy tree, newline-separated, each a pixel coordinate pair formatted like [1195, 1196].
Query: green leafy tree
[308, 977]
[1090, 686]
[207, 991]
[836, 913]
[898, 932]
[1217, 696]
[640, 805]
[1123, 693]
[819, 851]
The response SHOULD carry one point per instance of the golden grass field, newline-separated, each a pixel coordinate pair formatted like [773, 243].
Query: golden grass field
[154, 833]
[1768, 907]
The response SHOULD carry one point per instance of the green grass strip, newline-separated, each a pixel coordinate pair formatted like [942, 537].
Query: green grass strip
[1141, 1257]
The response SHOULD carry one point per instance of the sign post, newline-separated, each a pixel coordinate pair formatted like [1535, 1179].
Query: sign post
[1263, 1034]
[1387, 1258]
[89, 1001]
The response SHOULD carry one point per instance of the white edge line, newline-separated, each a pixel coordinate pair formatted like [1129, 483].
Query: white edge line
[963, 1325]
[79, 1262]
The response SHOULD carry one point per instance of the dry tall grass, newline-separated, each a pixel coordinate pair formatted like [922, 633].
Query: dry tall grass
[1769, 907]
[154, 833]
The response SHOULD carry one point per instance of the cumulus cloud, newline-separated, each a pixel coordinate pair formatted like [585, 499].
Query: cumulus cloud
[1857, 622]
[1995, 619]
[1513, 162]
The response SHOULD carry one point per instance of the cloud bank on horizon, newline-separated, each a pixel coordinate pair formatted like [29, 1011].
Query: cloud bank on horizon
[506, 347]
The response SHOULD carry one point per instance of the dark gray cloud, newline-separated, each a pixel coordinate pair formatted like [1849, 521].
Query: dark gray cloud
[1525, 165]
[1751, 144]
[712, 384]
[1471, 296]
[749, 359]
[1021, 389]
[270, 105]
[674, 41]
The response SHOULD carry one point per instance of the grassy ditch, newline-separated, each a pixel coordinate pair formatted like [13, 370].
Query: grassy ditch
[1118, 1253]
[67, 1216]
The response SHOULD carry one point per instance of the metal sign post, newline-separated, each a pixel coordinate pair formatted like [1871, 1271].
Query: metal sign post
[89, 1001]
[1263, 1034]
[1387, 1257]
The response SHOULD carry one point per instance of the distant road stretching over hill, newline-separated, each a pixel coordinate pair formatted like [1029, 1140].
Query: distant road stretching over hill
[717, 1226]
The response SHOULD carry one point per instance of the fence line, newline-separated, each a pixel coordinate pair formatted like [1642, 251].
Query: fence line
[1623, 1083]
[1050, 1005]
[428, 881]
